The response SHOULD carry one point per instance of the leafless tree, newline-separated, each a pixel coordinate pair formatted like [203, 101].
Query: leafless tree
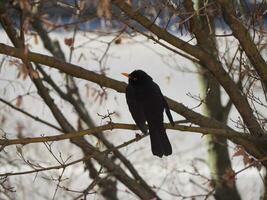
[240, 74]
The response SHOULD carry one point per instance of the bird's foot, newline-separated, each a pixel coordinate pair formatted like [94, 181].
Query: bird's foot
[138, 136]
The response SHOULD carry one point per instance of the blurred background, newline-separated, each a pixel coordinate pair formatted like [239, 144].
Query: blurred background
[179, 44]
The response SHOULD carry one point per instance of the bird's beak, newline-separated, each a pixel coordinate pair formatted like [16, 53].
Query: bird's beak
[125, 74]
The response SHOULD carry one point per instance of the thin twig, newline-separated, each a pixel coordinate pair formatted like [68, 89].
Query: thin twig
[74, 162]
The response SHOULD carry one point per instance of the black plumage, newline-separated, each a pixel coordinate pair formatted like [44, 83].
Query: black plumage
[146, 104]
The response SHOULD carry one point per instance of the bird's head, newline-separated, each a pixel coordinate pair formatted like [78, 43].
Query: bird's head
[138, 78]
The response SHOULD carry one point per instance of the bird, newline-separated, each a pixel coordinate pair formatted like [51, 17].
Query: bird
[146, 103]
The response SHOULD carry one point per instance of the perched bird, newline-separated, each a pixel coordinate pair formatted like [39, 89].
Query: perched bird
[146, 104]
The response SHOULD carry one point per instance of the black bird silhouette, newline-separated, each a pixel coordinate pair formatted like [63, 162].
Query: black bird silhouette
[146, 103]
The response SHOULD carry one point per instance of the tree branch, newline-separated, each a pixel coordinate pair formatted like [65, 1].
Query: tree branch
[202, 130]
[119, 173]
[88, 157]
[30, 115]
[207, 60]
[196, 118]
[242, 34]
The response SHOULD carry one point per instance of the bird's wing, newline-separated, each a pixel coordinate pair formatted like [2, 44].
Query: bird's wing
[154, 107]
[165, 104]
[168, 112]
[136, 109]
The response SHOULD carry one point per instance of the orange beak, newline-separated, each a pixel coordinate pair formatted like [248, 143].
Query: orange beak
[125, 74]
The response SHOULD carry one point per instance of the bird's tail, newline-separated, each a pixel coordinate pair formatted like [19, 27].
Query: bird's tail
[160, 143]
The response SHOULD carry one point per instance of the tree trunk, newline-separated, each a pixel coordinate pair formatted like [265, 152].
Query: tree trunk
[218, 155]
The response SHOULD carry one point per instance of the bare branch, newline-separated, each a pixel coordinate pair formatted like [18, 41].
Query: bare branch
[207, 60]
[243, 35]
[217, 132]
[30, 115]
[73, 162]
